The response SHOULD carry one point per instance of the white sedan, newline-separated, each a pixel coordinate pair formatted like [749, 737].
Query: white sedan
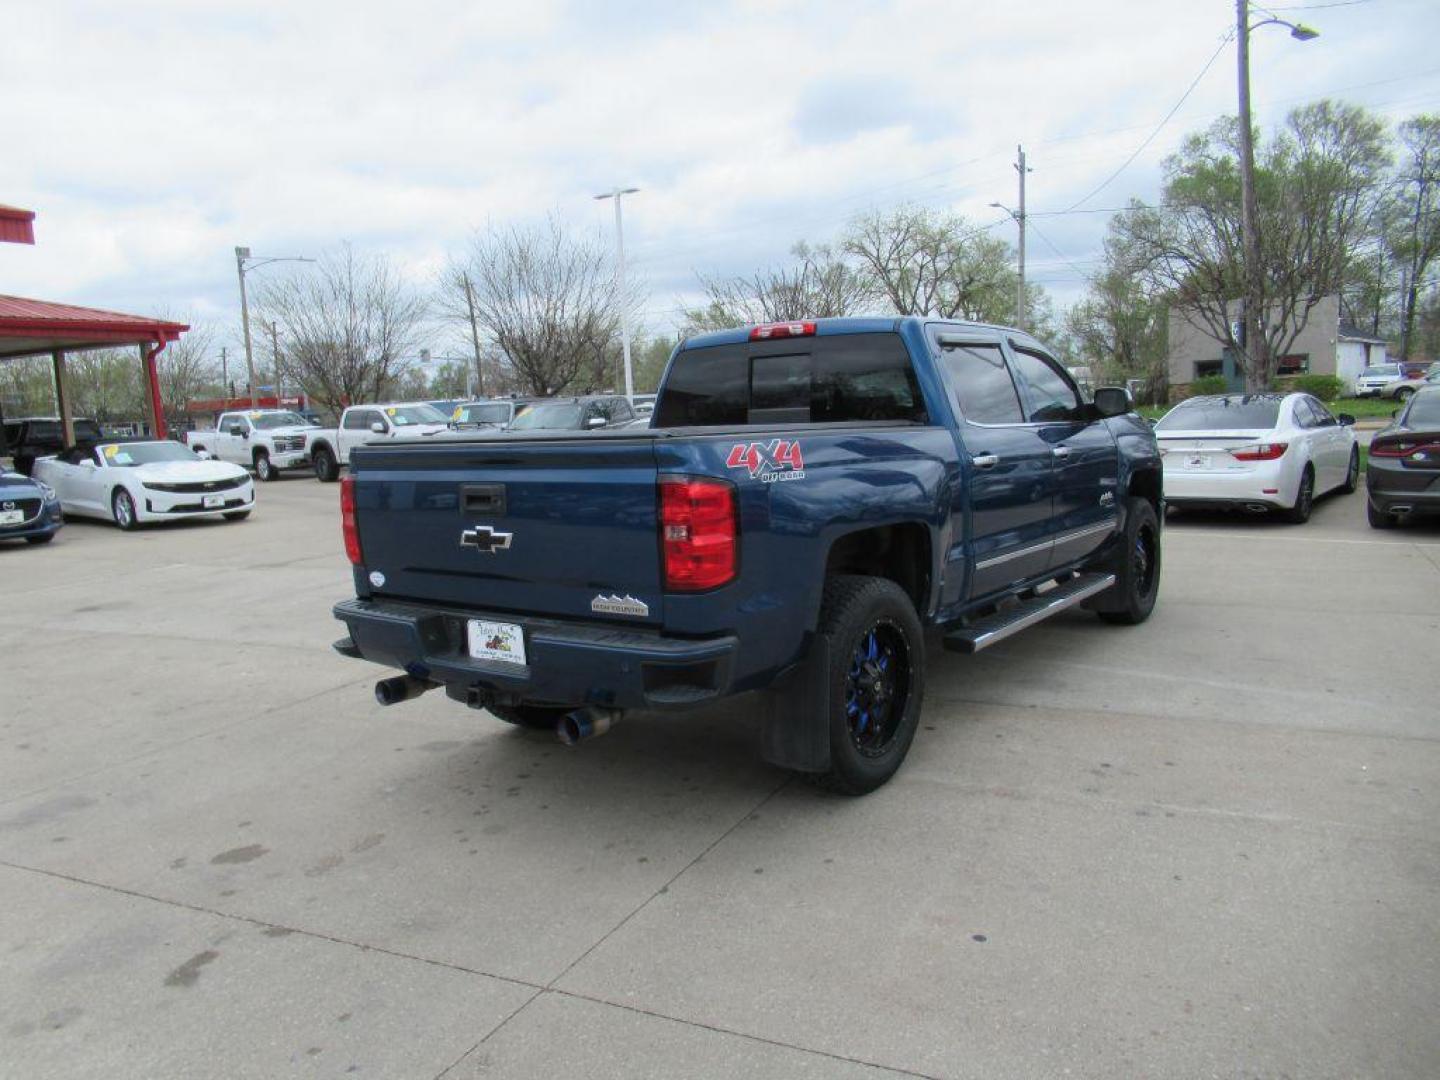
[132, 483]
[1256, 452]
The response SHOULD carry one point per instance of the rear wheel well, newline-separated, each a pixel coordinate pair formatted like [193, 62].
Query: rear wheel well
[898, 552]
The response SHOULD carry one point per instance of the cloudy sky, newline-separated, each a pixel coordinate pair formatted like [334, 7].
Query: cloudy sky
[152, 136]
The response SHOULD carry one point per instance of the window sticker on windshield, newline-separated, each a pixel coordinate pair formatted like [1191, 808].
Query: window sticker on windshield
[122, 458]
[111, 451]
[389, 412]
[456, 414]
[254, 416]
[768, 462]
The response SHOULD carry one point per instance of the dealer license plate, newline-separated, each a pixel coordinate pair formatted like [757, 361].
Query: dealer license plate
[11, 517]
[214, 502]
[501, 641]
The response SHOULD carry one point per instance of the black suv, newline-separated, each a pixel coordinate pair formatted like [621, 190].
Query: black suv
[31, 437]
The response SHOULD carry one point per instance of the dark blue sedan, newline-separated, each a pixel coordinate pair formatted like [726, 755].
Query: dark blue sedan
[29, 509]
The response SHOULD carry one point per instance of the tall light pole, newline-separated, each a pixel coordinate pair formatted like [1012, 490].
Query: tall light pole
[1254, 317]
[1019, 216]
[244, 263]
[620, 283]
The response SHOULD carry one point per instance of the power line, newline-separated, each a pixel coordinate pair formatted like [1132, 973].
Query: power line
[1173, 110]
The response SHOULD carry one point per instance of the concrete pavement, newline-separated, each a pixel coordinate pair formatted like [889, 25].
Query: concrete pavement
[1205, 846]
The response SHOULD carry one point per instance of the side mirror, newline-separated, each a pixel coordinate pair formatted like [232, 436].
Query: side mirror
[1112, 401]
[1345, 419]
[88, 465]
[203, 455]
[378, 427]
[238, 429]
[596, 422]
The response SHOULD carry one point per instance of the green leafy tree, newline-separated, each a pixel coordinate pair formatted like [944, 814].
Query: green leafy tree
[1120, 327]
[1414, 225]
[1317, 183]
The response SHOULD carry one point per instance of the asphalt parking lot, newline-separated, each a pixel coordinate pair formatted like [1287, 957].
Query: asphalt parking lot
[1205, 846]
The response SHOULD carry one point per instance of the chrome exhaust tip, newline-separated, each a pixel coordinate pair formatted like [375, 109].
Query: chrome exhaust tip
[400, 688]
[575, 727]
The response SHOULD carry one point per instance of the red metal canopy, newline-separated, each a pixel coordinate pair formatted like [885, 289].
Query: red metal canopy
[16, 226]
[40, 327]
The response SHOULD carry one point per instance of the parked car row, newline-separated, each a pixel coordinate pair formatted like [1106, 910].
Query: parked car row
[1395, 381]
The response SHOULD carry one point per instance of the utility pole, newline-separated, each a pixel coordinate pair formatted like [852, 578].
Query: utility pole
[224, 377]
[620, 295]
[1252, 317]
[241, 254]
[1255, 346]
[1020, 220]
[474, 335]
[275, 359]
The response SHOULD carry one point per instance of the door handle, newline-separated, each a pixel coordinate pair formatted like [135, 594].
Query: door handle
[1061, 451]
[985, 461]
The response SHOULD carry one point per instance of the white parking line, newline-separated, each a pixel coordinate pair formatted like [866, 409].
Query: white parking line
[1290, 538]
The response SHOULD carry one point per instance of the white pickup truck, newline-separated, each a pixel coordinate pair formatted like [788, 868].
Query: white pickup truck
[266, 440]
[361, 424]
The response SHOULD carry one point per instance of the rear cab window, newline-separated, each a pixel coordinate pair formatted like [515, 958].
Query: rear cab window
[828, 379]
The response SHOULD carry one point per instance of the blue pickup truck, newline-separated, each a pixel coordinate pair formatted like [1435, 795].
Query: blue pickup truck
[811, 503]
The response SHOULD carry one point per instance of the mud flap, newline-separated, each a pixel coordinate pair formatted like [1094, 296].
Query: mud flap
[795, 715]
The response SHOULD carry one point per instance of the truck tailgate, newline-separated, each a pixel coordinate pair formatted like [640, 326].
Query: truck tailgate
[562, 527]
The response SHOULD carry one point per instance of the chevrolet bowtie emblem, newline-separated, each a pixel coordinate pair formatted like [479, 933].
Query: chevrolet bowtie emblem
[485, 539]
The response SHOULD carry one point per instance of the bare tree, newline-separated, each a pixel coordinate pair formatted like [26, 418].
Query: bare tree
[350, 324]
[1317, 183]
[544, 298]
[818, 285]
[927, 263]
[187, 369]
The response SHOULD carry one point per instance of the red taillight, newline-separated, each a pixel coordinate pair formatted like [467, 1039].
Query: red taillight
[1265, 451]
[347, 520]
[766, 331]
[1392, 449]
[698, 529]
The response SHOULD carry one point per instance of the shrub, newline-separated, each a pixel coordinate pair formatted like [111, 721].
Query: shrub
[1324, 387]
[1208, 384]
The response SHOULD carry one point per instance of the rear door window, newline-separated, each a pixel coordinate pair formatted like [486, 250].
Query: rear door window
[985, 391]
[822, 380]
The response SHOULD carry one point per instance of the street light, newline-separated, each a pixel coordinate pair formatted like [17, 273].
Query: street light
[620, 283]
[1254, 301]
[242, 258]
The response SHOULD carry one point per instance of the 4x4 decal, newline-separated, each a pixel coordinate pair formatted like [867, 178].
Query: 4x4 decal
[768, 462]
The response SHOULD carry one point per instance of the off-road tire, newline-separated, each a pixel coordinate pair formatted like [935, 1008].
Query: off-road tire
[1136, 567]
[327, 470]
[855, 611]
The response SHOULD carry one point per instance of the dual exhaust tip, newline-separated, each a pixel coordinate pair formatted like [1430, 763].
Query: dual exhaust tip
[572, 728]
